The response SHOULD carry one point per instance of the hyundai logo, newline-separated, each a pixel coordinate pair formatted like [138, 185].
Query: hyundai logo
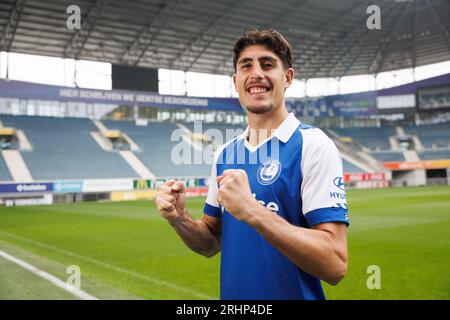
[339, 182]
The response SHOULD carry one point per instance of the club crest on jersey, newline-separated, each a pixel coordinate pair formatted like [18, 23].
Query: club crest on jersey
[269, 172]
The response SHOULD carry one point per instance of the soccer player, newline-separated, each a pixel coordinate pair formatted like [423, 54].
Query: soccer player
[276, 205]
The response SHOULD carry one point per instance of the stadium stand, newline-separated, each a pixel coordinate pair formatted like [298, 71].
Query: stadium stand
[432, 135]
[350, 167]
[434, 154]
[64, 149]
[156, 147]
[228, 130]
[388, 156]
[372, 138]
[4, 172]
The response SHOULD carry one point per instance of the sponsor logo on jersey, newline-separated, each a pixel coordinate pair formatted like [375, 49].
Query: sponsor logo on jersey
[337, 195]
[339, 182]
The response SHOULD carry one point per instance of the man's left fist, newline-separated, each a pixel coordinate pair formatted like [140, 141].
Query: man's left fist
[234, 193]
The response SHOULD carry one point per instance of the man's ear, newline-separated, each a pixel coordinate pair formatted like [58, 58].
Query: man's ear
[234, 82]
[289, 74]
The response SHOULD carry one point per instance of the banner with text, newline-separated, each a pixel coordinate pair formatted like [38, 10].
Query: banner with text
[412, 165]
[99, 185]
[26, 187]
[27, 90]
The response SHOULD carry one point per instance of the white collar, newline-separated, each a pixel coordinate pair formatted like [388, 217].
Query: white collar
[284, 131]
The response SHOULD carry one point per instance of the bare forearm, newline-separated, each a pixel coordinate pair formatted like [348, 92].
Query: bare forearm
[196, 234]
[314, 251]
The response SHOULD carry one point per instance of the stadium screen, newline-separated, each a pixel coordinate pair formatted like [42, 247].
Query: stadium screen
[433, 98]
[134, 78]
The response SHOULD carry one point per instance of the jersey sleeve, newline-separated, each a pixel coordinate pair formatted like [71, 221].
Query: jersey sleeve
[212, 207]
[322, 190]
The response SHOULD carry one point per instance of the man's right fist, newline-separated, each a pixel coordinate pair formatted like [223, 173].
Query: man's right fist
[170, 199]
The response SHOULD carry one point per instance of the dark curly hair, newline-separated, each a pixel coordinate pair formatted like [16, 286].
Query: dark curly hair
[271, 39]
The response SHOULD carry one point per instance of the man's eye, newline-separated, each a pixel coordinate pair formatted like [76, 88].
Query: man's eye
[246, 66]
[267, 65]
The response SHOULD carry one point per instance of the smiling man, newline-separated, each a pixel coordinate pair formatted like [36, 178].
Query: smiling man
[276, 205]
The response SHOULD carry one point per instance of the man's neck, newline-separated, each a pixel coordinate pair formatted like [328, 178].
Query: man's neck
[262, 126]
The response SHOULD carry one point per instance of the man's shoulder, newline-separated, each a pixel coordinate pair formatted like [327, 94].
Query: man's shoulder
[315, 138]
[309, 130]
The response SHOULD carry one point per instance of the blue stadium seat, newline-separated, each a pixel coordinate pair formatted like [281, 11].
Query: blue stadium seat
[156, 147]
[372, 138]
[385, 156]
[4, 172]
[228, 131]
[64, 149]
[351, 168]
[431, 135]
[434, 154]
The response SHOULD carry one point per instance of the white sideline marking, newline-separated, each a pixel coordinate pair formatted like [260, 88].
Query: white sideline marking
[47, 276]
[111, 267]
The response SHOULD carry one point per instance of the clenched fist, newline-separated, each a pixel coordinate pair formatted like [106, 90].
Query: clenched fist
[234, 193]
[170, 199]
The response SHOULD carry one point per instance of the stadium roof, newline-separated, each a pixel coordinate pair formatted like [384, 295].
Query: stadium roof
[330, 37]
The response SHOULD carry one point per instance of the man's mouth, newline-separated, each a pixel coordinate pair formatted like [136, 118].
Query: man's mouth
[258, 90]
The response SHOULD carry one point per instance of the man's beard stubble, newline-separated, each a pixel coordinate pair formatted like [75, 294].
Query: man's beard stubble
[261, 109]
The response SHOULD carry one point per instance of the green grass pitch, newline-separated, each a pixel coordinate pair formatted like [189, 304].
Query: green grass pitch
[126, 251]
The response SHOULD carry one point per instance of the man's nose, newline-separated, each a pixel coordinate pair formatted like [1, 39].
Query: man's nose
[257, 73]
